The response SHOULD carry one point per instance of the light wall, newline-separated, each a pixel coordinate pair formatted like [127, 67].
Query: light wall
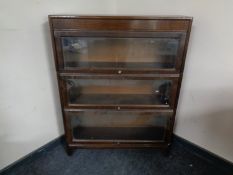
[30, 114]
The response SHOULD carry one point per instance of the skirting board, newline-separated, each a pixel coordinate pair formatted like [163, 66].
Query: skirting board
[217, 161]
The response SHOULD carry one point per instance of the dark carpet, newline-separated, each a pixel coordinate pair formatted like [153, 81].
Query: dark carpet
[116, 162]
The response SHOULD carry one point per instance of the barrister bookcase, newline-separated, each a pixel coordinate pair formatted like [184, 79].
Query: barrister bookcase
[119, 78]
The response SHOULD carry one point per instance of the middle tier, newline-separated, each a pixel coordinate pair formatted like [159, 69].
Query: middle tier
[90, 91]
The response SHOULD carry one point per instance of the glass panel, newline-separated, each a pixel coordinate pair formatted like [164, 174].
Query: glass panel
[99, 52]
[119, 91]
[119, 125]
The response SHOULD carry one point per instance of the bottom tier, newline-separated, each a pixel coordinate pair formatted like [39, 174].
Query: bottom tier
[110, 126]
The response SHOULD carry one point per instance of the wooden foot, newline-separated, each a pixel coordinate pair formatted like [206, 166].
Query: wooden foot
[69, 151]
[166, 151]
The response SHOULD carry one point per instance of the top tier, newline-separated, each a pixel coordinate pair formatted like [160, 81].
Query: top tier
[147, 44]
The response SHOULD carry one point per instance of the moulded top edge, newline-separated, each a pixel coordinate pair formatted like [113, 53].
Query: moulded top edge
[121, 17]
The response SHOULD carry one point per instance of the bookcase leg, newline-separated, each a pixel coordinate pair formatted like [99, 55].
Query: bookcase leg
[166, 151]
[69, 151]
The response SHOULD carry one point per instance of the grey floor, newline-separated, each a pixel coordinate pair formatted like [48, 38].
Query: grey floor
[116, 162]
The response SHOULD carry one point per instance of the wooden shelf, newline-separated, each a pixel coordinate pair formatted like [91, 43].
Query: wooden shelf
[119, 133]
[117, 99]
[130, 65]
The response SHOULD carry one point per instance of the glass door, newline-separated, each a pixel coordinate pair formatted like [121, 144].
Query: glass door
[118, 125]
[156, 51]
[119, 91]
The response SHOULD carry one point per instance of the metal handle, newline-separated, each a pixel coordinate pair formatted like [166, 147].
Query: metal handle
[70, 83]
[119, 71]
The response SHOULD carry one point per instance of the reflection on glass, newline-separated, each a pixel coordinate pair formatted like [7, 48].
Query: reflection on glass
[121, 125]
[119, 91]
[99, 52]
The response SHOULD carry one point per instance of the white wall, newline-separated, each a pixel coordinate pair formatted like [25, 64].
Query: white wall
[30, 114]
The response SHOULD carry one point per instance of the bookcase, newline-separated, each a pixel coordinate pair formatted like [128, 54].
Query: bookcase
[119, 78]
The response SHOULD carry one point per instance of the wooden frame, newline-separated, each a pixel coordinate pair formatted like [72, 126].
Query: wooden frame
[119, 26]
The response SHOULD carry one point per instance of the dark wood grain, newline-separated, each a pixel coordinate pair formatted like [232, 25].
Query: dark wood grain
[121, 24]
